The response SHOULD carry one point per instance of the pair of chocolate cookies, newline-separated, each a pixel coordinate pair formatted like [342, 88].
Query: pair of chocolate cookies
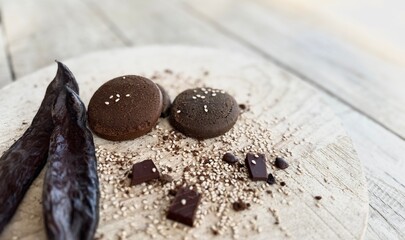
[128, 107]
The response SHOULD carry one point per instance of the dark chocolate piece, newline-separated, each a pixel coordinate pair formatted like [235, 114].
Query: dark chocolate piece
[242, 106]
[184, 206]
[239, 206]
[144, 171]
[270, 179]
[281, 163]
[229, 158]
[256, 165]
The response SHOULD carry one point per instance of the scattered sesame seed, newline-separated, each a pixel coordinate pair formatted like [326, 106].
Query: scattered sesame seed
[183, 201]
[254, 162]
[116, 100]
[107, 103]
[128, 95]
[220, 183]
[117, 95]
[111, 96]
[153, 169]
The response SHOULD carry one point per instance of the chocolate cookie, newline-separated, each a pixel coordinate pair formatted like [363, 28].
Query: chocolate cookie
[125, 108]
[204, 112]
[167, 103]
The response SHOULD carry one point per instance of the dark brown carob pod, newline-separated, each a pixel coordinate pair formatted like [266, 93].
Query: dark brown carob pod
[71, 187]
[24, 160]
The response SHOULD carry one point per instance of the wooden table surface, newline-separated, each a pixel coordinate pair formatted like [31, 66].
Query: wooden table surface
[351, 51]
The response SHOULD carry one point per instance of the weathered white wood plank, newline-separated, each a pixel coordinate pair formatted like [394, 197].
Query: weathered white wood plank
[387, 211]
[370, 84]
[5, 75]
[381, 153]
[161, 22]
[38, 32]
[372, 25]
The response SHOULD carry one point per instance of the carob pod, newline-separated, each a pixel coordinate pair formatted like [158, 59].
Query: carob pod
[71, 188]
[24, 160]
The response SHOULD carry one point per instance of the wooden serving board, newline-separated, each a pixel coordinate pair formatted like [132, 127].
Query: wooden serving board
[321, 155]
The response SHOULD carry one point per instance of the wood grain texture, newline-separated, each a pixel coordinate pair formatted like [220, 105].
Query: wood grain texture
[329, 162]
[354, 76]
[387, 210]
[371, 25]
[381, 154]
[39, 32]
[161, 22]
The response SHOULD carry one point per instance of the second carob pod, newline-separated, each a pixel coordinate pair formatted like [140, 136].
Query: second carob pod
[71, 187]
[24, 160]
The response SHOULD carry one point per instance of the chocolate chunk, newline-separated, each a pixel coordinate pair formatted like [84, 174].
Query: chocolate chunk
[242, 106]
[256, 165]
[144, 171]
[281, 163]
[184, 206]
[270, 179]
[229, 158]
[239, 205]
[318, 198]
[214, 231]
[282, 184]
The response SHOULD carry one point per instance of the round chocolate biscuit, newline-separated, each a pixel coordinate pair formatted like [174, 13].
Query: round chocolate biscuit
[125, 108]
[167, 103]
[204, 112]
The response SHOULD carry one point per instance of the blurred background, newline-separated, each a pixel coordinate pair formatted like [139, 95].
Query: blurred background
[353, 52]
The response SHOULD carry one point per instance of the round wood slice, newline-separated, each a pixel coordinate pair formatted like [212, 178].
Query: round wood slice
[322, 159]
